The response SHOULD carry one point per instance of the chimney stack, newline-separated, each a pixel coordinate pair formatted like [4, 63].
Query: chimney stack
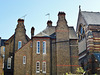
[49, 23]
[32, 31]
[61, 16]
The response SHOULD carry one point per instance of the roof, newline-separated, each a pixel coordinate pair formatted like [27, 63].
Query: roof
[97, 56]
[46, 32]
[2, 42]
[91, 17]
[13, 37]
[72, 33]
[50, 32]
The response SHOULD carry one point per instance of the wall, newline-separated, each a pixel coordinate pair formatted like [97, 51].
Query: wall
[41, 57]
[19, 67]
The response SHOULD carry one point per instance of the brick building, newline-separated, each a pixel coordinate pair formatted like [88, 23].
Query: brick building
[53, 51]
[15, 42]
[2, 55]
[88, 31]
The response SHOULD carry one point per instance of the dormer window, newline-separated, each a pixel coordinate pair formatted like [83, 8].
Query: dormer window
[19, 44]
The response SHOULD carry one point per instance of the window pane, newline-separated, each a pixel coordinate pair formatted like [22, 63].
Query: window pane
[81, 30]
[9, 63]
[37, 67]
[19, 44]
[44, 47]
[4, 49]
[24, 59]
[38, 47]
[44, 67]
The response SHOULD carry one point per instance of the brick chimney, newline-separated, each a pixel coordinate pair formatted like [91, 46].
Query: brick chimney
[61, 16]
[49, 23]
[32, 31]
[20, 27]
[20, 21]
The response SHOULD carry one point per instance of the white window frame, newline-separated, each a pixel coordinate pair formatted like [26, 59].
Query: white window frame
[18, 44]
[24, 59]
[44, 47]
[38, 67]
[44, 62]
[38, 47]
[9, 63]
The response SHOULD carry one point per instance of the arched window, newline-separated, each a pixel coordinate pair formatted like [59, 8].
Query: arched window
[81, 29]
[81, 33]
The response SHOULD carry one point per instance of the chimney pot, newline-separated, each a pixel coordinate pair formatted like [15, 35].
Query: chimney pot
[61, 13]
[49, 23]
[20, 20]
[32, 31]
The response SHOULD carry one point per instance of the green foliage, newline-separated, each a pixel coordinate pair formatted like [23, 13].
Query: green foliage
[68, 73]
[80, 70]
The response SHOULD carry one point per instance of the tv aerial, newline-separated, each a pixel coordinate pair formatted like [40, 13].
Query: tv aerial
[24, 16]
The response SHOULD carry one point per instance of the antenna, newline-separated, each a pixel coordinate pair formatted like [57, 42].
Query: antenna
[48, 16]
[24, 16]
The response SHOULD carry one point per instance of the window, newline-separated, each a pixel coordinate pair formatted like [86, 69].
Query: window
[24, 59]
[38, 47]
[4, 49]
[19, 44]
[31, 45]
[44, 47]
[9, 63]
[37, 67]
[3, 56]
[81, 30]
[44, 67]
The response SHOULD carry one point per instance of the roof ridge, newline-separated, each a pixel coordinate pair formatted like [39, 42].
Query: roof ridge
[90, 11]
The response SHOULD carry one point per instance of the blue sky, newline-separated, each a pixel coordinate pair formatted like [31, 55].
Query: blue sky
[11, 10]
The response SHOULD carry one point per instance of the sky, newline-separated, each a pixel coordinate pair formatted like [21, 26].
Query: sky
[36, 10]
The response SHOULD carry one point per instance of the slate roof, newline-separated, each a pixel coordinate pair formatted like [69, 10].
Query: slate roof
[91, 17]
[72, 33]
[50, 32]
[13, 37]
[46, 32]
[2, 42]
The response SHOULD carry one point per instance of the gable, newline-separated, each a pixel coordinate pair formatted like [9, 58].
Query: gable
[80, 21]
[11, 38]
